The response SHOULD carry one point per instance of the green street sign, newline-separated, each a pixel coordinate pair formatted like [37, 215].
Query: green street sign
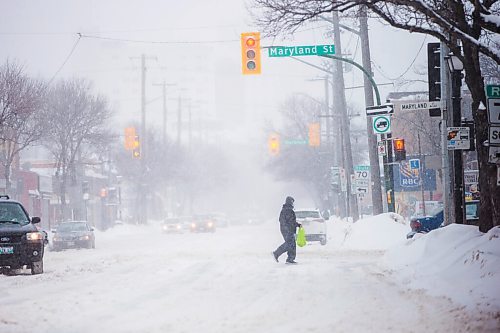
[295, 51]
[493, 91]
[295, 142]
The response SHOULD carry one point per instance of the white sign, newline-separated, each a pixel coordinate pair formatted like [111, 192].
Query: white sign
[379, 109]
[382, 124]
[471, 177]
[362, 178]
[425, 105]
[458, 138]
[494, 137]
[382, 148]
[335, 176]
[494, 155]
[494, 111]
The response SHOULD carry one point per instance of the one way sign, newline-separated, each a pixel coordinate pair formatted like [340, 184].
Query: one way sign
[380, 109]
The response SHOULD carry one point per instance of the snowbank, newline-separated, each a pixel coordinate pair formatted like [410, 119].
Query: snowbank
[378, 232]
[456, 261]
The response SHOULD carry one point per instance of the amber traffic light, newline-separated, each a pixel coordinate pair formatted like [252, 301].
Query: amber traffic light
[250, 53]
[314, 135]
[399, 150]
[274, 144]
[130, 138]
[136, 150]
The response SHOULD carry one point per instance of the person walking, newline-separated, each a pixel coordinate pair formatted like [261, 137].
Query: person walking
[288, 226]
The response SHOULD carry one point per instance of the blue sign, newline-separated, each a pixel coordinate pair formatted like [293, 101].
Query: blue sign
[407, 180]
[415, 164]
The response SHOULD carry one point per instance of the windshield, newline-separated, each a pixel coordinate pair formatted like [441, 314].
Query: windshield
[304, 214]
[12, 212]
[171, 221]
[68, 227]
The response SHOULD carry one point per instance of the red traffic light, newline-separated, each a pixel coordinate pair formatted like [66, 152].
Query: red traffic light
[399, 144]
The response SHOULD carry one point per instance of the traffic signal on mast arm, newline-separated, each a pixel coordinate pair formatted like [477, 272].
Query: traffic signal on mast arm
[136, 151]
[250, 53]
[314, 135]
[274, 144]
[129, 138]
[399, 150]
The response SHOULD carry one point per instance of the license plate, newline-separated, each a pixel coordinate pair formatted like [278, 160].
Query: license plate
[70, 243]
[7, 250]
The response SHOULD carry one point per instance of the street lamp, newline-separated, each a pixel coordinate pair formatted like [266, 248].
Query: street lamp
[456, 67]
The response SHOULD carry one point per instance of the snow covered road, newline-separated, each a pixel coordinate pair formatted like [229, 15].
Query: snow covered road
[140, 280]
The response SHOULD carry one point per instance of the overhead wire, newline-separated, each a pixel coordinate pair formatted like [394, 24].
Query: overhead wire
[66, 60]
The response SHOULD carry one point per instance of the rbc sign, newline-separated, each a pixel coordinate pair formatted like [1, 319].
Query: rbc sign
[407, 180]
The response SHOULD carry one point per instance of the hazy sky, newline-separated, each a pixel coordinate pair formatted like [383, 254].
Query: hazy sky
[40, 34]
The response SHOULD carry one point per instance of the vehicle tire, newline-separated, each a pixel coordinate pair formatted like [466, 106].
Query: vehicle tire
[37, 267]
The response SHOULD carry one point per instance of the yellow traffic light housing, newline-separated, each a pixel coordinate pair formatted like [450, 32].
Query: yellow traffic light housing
[136, 148]
[314, 135]
[130, 136]
[274, 144]
[250, 53]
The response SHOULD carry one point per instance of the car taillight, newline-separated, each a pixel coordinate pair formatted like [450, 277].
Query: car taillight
[415, 224]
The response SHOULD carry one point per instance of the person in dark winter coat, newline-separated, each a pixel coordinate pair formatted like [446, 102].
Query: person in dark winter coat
[288, 226]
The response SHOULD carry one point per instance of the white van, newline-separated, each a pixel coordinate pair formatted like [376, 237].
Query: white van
[314, 224]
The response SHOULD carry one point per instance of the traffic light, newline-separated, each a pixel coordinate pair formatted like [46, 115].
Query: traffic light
[250, 53]
[314, 135]
[136, 150]
[399, 150]
[130, 138]
[434, 75]
[274, 144]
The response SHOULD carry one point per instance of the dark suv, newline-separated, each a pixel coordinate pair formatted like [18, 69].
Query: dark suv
[21, 244]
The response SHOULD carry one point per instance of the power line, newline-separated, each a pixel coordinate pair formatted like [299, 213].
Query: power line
[157, 42]
[407, 69]
[66, 60]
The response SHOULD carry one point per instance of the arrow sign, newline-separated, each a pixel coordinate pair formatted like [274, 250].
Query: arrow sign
[380, 109]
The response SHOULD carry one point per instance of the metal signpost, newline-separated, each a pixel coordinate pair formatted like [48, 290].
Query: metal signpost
[382, 124]
[493, 95]
[458, 138]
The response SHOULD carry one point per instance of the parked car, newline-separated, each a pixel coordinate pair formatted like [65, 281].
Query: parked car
[173, 225]
[203, 223]
[425, 224]
[313, 223]
[21, 244]
[73, 234]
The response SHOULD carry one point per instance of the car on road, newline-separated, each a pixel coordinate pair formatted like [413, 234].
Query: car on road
[173, 225]
[21, 244]
[203, 223]
[313, 223]
[425, 224]
[73, 234]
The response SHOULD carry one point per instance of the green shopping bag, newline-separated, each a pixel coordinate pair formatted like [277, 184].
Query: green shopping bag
[301, 237]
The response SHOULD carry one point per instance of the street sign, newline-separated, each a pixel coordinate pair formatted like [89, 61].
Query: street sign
[494, 155]
[361, 179]
[494, 137]
[494, 111]
[415, 164]
[295, 51]
[382, 124]
[382, 148]
[458, 138]
[380, 109]
[493, 91]
[424, 105]
[335, 176]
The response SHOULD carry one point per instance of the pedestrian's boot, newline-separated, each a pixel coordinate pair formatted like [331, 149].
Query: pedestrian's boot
[291, 262]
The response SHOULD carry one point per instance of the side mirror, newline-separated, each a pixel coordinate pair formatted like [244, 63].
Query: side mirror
[91, 228]
[35, 220]
[326, 215]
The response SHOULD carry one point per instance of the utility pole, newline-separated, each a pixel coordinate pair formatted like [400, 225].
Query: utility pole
[376, 189]
[179, 120]
[164, 92]
[444, 74]
[340, 102]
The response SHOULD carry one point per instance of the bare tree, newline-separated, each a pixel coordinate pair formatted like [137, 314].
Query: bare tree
[21, 99]
[472, 23]
[75, 117]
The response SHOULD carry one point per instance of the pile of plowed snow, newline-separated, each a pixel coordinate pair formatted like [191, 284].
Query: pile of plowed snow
[457, 261]
[378, 232]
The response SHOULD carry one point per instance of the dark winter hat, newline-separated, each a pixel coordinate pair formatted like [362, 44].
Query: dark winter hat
[289, 200]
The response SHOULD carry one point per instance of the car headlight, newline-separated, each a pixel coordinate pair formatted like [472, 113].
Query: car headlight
[193, 225]
[34, 236]
[210, 224]
[165, 227]
[178, 227]
[86, 237]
